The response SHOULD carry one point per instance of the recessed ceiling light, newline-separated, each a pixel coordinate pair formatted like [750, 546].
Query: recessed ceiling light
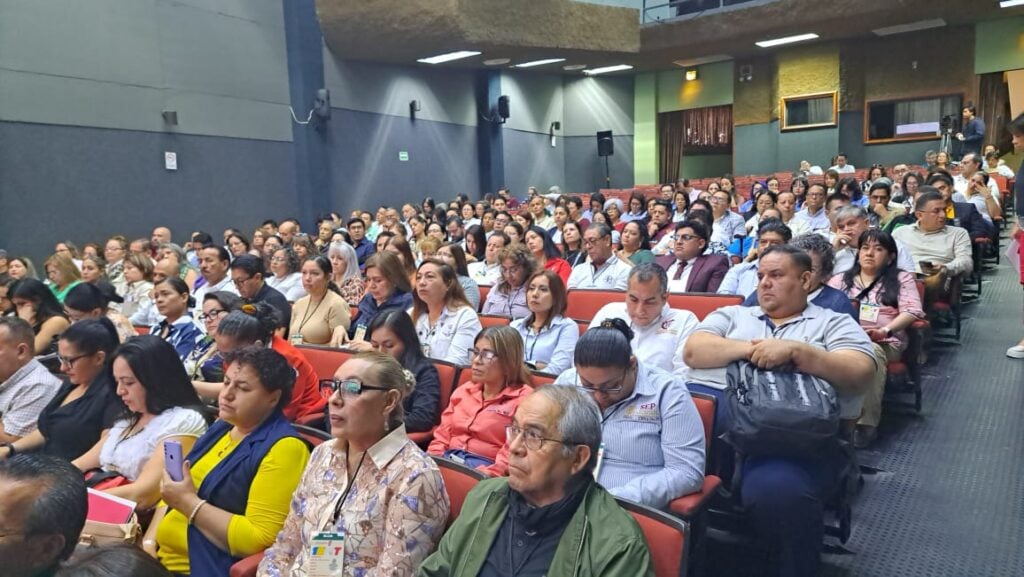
[606, 69]
[539, 62]
[786, 40]
[497, 61]
[448, 57]
[690, 63]
[1011, 3]
[573, 67]
[911, 27]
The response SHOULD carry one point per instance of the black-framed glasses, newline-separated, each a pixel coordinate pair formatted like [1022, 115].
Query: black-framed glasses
[484, 354]
[604, 389]
[242, 281]
[532, 439]
[211, 315]
[70, 361]
[349, 388]
[686, 237]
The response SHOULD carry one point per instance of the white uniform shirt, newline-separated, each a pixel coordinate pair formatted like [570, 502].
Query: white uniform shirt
[612, 275]
[659, 344]
[452, 335]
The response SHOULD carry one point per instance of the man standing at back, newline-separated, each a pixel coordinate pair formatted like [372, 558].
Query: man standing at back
[973, 132]
[43, 504]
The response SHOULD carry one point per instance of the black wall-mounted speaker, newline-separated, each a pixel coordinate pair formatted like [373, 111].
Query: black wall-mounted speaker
[605, 144]
[503, 106]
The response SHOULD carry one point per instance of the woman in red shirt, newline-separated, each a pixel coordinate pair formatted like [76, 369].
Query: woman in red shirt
[546, 253]
[472, 429]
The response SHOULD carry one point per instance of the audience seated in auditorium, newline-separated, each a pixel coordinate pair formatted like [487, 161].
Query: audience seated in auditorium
[487, 272]
[635, 246]
[205, 363]
[785, 497]
[38, 306]
[238, 478]
[889, 304]
[603, 270]
[995, 165]
[812, 217]
[572, 244]
[128, 460]
[765, 200]
[178, 327]
[940, 251]
[823, 261]
[26, 386]
[973, 185]
[548, 337]
[445, 321]
[392, 509]
[693, 271]
[568, 523]
[545, 253]
[728, 225]
[92, 301]
[247, 274]
[256, 325]
[138, 278]
[393, 332]
[114, 252]
[841, 165]
[659, 332]
[454, 256]
[317, 316]
[742, 278]
[387, 286]
[851, 223]
[86, 403]
[508, 297]
[43, 504]
[653, 435]
[186, 271]
[881, 209]
[960, 214]
[660, 226]
[213, 266]
[472, 429]
[285, 277]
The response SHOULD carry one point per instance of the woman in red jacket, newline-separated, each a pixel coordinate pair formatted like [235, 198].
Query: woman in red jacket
[546, 253]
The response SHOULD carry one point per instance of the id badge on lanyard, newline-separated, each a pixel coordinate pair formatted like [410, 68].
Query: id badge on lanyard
[869, 312]
[326, 554]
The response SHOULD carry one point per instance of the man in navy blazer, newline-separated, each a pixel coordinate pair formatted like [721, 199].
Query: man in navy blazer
[693, 271]
[964, 214]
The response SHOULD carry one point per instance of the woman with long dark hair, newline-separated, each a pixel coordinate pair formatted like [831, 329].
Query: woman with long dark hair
[546, 253]
[889, 304]
[38, 306]
[161, 406]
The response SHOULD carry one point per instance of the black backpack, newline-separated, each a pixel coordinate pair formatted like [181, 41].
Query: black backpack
[779, 413]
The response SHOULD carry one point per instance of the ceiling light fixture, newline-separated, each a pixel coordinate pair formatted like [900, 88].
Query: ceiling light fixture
[911, 27]
[573, 67]
[539, 63]
[441, 58]
[691, 62]
[607, 69]
[1011, 3]
[786, 40]
[497, 61]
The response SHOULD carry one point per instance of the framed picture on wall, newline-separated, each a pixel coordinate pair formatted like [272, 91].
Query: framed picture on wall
[808, 111]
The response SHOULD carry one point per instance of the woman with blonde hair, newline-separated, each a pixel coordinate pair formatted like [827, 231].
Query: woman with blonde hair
[472, 429]
[345, 272]
[62, 273]
[445, 320]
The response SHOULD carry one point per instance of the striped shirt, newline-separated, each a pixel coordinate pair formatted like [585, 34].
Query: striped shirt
[653, 440]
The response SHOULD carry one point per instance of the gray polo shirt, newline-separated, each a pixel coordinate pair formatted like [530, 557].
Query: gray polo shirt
[815, 326]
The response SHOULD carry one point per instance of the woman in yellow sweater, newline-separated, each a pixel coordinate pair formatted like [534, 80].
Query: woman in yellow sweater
[234, 498]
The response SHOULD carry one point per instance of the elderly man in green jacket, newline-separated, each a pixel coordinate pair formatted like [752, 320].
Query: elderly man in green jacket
[548, 517]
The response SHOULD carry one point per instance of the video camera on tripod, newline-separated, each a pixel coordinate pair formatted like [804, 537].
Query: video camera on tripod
[949, 123]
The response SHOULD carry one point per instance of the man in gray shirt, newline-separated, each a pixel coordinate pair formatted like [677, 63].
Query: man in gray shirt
[785, 496]
[26, 387]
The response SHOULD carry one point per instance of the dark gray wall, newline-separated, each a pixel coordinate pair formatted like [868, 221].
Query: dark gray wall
[585, 170]
[851, 126]
[754, 151]
[364, 160]
[816, 145]
[84, 184]
[531, 161]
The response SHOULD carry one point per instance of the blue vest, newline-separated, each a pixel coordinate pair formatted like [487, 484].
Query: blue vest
[227, 485]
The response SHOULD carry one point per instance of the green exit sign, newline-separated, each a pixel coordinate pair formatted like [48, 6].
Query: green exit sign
[403, 156]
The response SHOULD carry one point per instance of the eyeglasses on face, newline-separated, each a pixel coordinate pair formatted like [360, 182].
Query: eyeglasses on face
[686, 237]
[604, 389]
[70, 361]
[484, 354]
[349, 388]
[532, 439]
[211, 315]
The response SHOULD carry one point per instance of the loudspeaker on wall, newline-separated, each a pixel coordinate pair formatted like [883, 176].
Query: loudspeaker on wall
[605, 144]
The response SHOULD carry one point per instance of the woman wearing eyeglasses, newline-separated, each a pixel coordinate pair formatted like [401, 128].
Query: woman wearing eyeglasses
[508, 297]
[286, 279]
[238, 479]
[653, 435]
[445, 321]
[204, 364]
[371, 483]
[85, 405]
[472, 429]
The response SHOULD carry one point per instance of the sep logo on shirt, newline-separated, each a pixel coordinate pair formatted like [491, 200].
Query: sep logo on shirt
[643, 412]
